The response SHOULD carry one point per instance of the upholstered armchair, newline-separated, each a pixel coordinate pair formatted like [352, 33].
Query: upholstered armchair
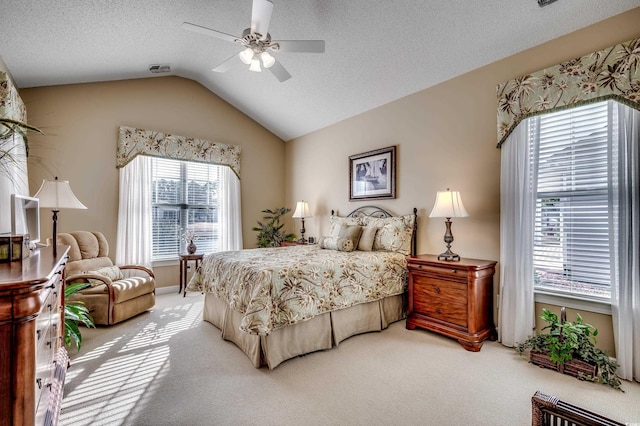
[116, 293]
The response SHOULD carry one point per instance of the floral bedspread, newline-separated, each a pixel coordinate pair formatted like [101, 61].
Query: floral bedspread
[275, 287]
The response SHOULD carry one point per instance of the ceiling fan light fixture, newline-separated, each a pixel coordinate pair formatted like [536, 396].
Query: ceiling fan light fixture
[267, 59]
[255, 66]
[246, 56]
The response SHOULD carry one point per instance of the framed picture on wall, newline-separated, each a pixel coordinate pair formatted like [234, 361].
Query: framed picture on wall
[372, 175]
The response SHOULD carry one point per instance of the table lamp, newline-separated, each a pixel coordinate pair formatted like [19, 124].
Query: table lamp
[57, 194]
[448, 204]
[302, 210]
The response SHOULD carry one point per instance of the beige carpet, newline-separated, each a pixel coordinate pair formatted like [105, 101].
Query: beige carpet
[168, 367]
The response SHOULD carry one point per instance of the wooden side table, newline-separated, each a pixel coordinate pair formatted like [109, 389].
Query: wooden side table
[184, 260]
[452, 298]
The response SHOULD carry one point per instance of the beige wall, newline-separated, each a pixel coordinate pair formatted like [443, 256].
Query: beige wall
[446, 137]
[81, 124]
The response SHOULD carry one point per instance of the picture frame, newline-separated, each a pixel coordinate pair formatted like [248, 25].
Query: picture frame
[372, 174]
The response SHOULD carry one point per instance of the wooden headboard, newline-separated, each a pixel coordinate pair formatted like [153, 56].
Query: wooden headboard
[373, 211]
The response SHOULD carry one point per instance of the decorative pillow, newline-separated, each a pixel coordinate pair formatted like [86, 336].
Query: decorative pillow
[336, 222]
[112, 272]
[367, 237]
[333, 243]
[352, 232]
[394, 233]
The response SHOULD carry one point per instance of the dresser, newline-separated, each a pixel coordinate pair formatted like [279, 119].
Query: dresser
[33, 360]
[454, 299]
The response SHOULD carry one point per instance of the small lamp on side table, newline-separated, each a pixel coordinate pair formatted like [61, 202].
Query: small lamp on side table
[448, 204]
[301, 212]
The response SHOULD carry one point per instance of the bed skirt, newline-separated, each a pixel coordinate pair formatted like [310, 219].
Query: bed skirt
[319, 333]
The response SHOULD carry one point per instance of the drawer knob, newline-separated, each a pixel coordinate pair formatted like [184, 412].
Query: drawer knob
[39, 382]
[453, 271]
[438, 290]
[438, 311]
[38, 333]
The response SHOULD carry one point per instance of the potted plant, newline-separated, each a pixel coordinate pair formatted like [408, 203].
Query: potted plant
[569, 347]
[75, 313]
[270, 234]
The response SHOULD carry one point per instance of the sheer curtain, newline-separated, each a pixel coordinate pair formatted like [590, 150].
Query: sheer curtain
[230, 212]
[134, 242]
[625, 237]
[518, 185]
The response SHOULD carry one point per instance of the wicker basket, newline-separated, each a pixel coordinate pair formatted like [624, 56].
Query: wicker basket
[574, 367]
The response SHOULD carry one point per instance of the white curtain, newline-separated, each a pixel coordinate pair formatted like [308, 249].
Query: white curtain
[230, 213]
[625, 237]
[134, 242]
[518, 186]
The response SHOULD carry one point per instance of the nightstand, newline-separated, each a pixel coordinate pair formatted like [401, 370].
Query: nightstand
[292, 243]
[454, 299]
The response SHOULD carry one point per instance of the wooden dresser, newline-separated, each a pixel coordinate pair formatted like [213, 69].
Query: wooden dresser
[33, 360]
[452, 298]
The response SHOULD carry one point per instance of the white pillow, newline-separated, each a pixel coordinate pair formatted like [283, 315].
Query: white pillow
[112, 272]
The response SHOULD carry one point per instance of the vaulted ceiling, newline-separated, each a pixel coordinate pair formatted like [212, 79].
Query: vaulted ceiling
[376, 51]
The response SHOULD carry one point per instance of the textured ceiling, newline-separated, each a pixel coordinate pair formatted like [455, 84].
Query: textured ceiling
[376, 51]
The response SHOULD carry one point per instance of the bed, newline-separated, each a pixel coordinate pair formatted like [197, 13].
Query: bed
[279, 303]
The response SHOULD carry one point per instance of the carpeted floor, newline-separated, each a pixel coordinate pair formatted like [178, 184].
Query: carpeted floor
[168, 367]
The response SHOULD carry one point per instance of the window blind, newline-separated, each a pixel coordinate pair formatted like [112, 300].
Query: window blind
[571, 244]
[185, 197]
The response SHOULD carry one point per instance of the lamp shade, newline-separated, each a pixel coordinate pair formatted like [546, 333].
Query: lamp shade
[448, 204]
[302, 210]
[56, 194]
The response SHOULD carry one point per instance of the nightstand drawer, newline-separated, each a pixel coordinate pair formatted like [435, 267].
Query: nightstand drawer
[453, 313]
[449, 271]
[443, 290]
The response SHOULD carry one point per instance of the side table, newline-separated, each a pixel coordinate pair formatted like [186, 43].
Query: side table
[184, 260]
[452, 298]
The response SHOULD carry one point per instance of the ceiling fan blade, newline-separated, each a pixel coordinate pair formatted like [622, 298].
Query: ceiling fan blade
[261, 17]
[307, 46]
[227, 64]
[208, 31]
[278, 70]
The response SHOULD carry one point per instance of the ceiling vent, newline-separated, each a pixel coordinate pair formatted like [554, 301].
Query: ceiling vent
[542, 3]
[157, 69]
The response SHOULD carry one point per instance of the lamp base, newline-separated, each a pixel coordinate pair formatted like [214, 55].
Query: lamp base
[450, 256]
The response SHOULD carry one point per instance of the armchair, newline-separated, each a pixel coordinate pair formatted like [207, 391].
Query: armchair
[116, 293]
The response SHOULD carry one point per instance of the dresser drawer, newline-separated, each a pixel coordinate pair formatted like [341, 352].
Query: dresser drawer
[449, 271]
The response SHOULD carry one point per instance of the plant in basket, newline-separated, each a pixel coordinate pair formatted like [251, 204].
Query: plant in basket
[570, 348]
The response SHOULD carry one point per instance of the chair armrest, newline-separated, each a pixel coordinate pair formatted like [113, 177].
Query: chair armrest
[140, 268]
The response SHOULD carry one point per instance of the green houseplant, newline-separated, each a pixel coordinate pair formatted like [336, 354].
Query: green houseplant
[270, 233]
[8, 156]
[567, 346]
[75, 313]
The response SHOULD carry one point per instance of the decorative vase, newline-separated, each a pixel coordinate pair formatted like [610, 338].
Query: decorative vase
[191, 248]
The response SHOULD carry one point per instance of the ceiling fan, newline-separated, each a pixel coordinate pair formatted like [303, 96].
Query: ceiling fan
[258, 44]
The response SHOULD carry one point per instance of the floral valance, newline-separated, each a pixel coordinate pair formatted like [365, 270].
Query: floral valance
[11, 105]
[612, 73]
[135, 142]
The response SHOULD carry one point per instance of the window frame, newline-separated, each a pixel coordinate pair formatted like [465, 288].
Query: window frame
[184, 208]
[569, 296]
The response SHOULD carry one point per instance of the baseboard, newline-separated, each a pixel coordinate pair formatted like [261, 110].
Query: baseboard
[168, 289]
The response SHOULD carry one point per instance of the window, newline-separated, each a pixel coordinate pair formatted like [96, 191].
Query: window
[184, 197]
[571, 253]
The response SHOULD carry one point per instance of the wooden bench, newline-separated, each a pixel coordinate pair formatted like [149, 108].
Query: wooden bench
[549, 410]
